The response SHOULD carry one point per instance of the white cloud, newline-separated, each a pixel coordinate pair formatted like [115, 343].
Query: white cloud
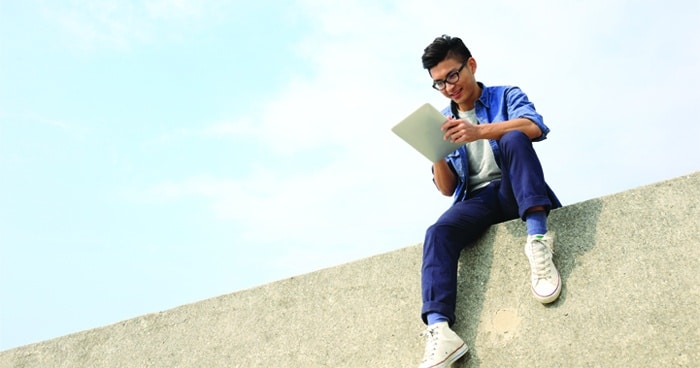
[230, 128]
[113, 24]
[356, 206]
[99, 23]
[174, 9]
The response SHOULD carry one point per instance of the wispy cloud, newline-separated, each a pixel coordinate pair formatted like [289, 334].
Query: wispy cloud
[98, 24]
[176, 9]
[243, 127]
[50, 121]
[43, 120]
[112, 24]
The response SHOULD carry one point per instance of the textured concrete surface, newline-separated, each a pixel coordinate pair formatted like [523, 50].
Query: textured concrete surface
[631, 298]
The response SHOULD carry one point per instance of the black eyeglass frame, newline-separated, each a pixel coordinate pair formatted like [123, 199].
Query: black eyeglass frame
[451, 75]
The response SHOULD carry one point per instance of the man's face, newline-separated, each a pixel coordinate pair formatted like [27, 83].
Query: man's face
[464, 91]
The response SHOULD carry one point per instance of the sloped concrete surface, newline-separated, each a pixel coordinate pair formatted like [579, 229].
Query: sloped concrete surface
[631, 298]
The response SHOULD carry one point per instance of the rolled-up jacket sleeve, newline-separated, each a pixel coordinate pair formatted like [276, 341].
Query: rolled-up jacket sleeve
[519, 106]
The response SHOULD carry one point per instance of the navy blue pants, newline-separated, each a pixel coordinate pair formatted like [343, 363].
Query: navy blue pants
[521, 187]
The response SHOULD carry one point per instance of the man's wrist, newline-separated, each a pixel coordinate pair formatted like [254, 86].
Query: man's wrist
[484, 130]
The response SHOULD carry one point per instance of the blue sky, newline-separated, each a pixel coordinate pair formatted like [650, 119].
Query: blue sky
[156, 153]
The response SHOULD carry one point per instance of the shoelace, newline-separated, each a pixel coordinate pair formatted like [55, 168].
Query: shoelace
[540, 259]
[431, 335]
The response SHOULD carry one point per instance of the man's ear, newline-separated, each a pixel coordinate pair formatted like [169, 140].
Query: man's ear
[471, 63]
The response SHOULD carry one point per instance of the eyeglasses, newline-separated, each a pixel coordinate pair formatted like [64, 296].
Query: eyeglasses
[452, 78]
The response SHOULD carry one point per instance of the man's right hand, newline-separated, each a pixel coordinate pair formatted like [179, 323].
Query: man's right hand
[444, 178]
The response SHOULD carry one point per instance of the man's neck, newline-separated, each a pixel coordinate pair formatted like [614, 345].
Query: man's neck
[469, 104]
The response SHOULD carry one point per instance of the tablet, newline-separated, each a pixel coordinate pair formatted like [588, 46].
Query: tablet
[421, 129]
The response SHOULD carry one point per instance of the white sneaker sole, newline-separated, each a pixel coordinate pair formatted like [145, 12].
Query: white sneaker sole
[452, 357]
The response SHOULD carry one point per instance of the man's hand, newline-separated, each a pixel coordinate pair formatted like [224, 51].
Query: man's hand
[444, 178]
[460, 131]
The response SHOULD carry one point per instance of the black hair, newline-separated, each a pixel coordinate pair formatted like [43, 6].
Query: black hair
[442, 48]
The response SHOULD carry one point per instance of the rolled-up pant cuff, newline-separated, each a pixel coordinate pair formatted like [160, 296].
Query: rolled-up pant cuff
[438, 307]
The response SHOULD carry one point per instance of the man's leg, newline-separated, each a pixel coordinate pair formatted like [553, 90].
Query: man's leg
[460, 225]
[522, 185]
[525, 191]
[457, 227]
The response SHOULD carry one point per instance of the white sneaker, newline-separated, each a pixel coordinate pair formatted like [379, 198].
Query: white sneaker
[443, 346]
[546, 282]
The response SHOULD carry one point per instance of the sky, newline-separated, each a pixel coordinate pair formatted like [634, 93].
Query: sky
[155, 153]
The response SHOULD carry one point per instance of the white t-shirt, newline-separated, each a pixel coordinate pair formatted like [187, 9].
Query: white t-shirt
[482, 163]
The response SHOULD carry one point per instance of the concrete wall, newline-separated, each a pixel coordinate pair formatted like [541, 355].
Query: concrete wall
[631, 298]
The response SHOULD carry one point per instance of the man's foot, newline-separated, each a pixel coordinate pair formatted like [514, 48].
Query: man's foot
[546, 282]
[443, 346]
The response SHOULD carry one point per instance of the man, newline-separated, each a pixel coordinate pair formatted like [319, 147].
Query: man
[495, 176]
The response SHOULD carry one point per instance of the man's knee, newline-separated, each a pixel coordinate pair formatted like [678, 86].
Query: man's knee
[515, 137]
[436, 240]
[452, 236]
[515, 142]
[438, 230]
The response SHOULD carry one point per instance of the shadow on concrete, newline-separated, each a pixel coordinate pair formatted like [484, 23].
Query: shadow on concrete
[471, 289]
[575, 229]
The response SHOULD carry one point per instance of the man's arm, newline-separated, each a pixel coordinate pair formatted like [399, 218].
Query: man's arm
[497, 130]
[460, 131]
[444, 178]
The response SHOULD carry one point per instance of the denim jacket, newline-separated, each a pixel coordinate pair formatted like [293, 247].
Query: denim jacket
[496, 104]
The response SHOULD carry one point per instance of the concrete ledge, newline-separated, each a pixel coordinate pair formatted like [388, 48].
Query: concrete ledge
[631, 298]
